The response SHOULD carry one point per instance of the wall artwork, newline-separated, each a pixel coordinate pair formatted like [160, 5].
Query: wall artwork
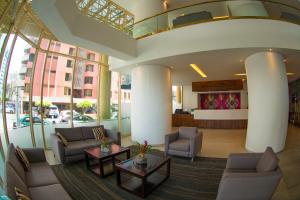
[219, 101]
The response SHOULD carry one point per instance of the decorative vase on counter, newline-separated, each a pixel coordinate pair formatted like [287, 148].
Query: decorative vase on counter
[141, 159]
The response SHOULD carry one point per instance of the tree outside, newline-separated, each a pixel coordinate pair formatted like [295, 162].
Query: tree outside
[84, 105]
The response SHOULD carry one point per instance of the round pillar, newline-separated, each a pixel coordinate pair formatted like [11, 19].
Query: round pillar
[105, 86]
[151, 103]
[268, 102]
[147, 8]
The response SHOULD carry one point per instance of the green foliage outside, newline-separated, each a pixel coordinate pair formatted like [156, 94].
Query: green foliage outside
[45, 104]
[84, 105]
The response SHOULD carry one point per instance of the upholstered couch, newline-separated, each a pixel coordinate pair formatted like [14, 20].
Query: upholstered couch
[186, 142]
[252, 175]
[38, 183]
[79, 138]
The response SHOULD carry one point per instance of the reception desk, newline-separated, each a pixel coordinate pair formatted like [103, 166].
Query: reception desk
[213, 119]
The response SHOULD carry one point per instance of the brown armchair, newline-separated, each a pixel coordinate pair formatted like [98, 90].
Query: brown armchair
[186, 142]
[251, 176]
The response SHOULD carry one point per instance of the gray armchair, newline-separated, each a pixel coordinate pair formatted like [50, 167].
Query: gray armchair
[251, 176]
[186, 142]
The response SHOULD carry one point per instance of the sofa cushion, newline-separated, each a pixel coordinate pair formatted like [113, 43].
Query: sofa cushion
[12, 180]
[14, 161]
[49, 192]
[180, 145]
[40, 174]
[71, 134]
[99, 133]
[20, 194]
[268, 161]
[62, 138]
[87, 131]
[187, 132]
[77, 147]
[23, 158]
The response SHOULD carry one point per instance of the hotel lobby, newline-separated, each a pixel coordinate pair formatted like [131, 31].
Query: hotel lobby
[150, 99]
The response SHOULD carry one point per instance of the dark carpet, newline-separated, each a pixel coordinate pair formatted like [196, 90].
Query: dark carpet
[198, 180]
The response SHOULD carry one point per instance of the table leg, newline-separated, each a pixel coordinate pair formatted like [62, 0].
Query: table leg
[101, 168]
[143, 187]
[87, 160]
[118, 177]
[128, 154]
[168, 168]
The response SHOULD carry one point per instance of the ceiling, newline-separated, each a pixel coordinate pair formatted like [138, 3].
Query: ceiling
[220, 64]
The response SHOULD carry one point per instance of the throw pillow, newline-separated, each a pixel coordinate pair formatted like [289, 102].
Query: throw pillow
[268, 161]
[20, 194]
[23, 158]
[62, 138]
[99, 133]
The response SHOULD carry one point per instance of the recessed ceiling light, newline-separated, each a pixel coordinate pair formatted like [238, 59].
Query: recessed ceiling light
[198, 70]
[270, 49]
[241, 60]
[290, 74]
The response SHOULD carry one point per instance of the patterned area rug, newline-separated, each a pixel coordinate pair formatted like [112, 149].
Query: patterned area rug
[198, 180]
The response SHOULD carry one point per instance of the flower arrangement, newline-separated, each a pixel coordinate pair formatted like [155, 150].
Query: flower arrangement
[105, 145]
[142, 149]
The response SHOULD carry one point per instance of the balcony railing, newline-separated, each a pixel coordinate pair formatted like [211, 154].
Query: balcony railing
[214, 11]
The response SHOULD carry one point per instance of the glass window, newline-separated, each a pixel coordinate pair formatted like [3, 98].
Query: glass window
[89, 68]
[31, 57]
[88, 93]
[17, 95]
[69, 63]
[88, 80]
[67, 91]
[68, 77]
[71, 51]
[29, 72]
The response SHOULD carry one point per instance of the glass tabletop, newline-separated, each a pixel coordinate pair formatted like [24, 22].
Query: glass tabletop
[113, 149]
[153, 163]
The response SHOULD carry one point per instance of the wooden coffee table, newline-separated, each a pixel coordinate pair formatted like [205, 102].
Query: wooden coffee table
[142, 180]
[100, 158]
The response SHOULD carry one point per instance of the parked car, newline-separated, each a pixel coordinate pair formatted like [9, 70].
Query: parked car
[9, 109]
[83, 119]
[25, 121]
[53, 111]
[65, 115]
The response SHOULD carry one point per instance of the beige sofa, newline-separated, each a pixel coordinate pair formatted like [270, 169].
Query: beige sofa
[38, 183]
[79, 138]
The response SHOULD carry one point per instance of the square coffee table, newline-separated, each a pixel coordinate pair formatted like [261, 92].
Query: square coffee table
[100, 158]
[141, 180]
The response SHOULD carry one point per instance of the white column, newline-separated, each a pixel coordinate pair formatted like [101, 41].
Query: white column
[268, 101]
[151, 103]
[147, 8]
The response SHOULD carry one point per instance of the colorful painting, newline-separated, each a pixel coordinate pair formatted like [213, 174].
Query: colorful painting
[219, 101]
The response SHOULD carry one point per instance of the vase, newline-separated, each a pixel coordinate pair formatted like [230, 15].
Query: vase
[141, 159]
[104, 149]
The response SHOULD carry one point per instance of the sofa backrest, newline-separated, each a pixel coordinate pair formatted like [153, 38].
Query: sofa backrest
[71, 134]
[12, 159]
[187, 132]
[87, 131]
[12, 180]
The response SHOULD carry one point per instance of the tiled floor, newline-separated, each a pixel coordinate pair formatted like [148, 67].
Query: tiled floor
[220, 143]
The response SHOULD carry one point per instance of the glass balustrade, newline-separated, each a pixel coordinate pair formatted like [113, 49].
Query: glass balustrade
[214, 11]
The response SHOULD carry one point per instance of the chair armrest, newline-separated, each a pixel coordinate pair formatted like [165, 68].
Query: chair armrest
[196, 144]
[58, 148]
[252, 185]
[116, 135]
[35, 155]
[170, 137]
[243, 160]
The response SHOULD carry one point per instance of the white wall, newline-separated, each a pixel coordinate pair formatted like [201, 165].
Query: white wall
[189, 98]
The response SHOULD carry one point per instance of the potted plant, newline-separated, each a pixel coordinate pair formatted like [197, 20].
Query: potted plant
[142, 149]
